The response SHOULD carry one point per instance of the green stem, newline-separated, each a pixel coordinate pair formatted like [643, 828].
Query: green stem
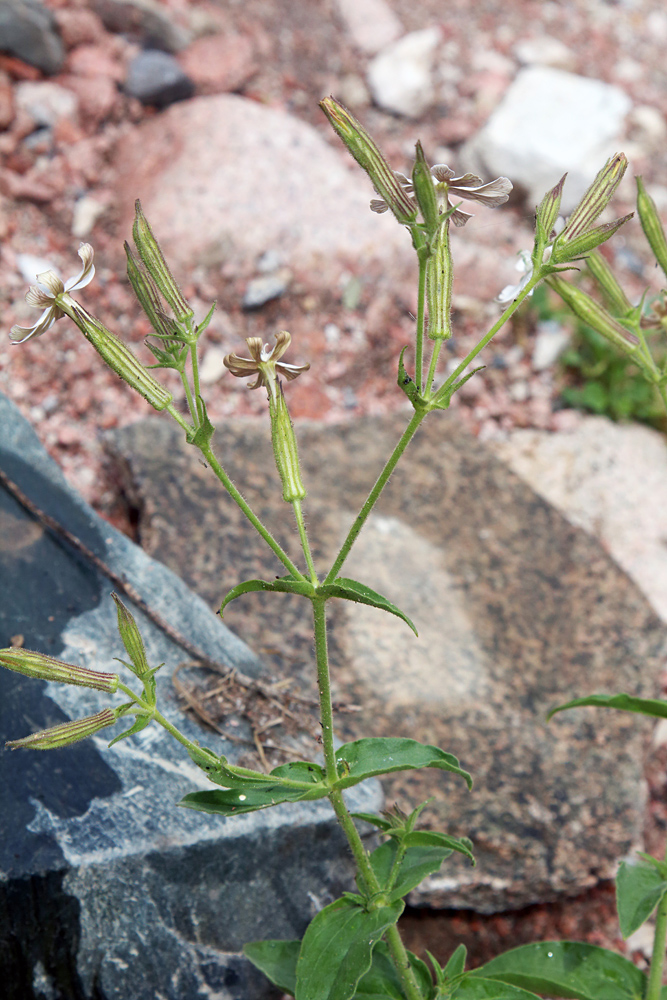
[180, 420]
[188, 396]
[437, 347]
[324, 686]
[305, 545]
[419, 340]
[654, 987]
[210, 457]
[360, 520]
[195, 382]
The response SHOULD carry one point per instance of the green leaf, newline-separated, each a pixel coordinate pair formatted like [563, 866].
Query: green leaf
[624, 702]
[283, 585]
[382, 981]
[141, 723]
[337, 949]
[300, 770]
[490, 989]
[417, 863]
[639, 889]
[433, 838]
[457, 962]
[568, 969]
[372, 756]
[352, 590]
[249, 798]
[202, 436]
[442, 400]
[379, 821]
[277, 960]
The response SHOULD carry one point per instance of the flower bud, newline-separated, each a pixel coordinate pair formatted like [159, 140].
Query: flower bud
[117, 355]
[596, 198]
[46, 668]
[65, 733]
[131, 637]
[283, 439]
[439, 274]
[606, 280]
[369, 157]
[651, 224]
[547, 211]
[591, 312]
[562, 252]
[148, 295]
[153, 258]
[422, 181]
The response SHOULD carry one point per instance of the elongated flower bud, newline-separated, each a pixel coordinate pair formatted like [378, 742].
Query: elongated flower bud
[46, 668]
[148, 295]
[422, 181]
[285, 450]
[129, 633]
[591, 312]
[606, 280]
[65, 733]
[597, 197]
[116, 354]
[154, 262]
[651, 224]
[369, 157]
[439, 274]
[547, 211]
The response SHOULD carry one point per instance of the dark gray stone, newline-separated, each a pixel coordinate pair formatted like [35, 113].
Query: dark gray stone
[28, 30]
[518, 611]
[144, 21]
[265, 288]
[156, 78]
[108, 890]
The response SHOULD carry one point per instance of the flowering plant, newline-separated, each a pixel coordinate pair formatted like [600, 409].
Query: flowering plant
[353, 947]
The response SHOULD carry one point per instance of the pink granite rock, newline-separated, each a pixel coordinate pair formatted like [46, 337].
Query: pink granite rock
[217, 64]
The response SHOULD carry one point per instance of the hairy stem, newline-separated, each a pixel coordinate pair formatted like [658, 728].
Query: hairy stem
[305, 544]
[654, 987]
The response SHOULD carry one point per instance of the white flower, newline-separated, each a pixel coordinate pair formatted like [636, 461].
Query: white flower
[525, 266]
[45, 295]
[469, 187]
[264, 362]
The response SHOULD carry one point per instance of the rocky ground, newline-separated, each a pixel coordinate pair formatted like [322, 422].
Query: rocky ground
[95, 72]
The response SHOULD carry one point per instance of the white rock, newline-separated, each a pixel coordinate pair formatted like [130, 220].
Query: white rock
[87, 211]
[609, 479]
[45, 102]
[30, 266]
[551, 341]
[225, 171]
[371, 24]
[550, 122]
[401, 76]
[543, 51]
[212, 366]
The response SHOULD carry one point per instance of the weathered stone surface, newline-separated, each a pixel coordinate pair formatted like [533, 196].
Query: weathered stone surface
[401, 75]
[518, 611]
[256, 179]
[551, 122]
[108, 890]
[28, 30]
[609, 479]
[146, 21]
[156, 78]
[371, 24]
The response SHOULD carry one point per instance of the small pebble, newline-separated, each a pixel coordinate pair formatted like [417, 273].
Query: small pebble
[263, 289]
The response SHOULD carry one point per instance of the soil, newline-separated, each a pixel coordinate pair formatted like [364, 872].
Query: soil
[302, 52]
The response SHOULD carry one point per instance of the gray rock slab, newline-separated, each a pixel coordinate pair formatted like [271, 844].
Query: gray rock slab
[107, 889]
[548, 123]
[156, 78]
[144, 21]
[225, 177]
[28, 30]
[518, 611]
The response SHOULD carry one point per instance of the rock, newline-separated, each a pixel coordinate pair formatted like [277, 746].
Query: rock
[30, 266]
[94, 61]
[401, 75]
[266, 287]
[46, 102]
[518, 611]
[544, 50]
[228, 172]
[550, 122]
[371, 24]
[96, 95]
[87, 211]
[79, 27]
[212, 366]
[156, 78]
[107, 889]
[609, 479]
[144, 21]
[220, 63]
[28, 30]
[550, 342]
[7, 108]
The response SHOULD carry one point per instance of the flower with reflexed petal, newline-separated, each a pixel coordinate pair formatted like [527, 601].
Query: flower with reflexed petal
[264, 361]
[469, 187]
[45, 296]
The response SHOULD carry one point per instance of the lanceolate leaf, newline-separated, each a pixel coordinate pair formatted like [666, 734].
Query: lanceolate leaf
[277, 960]
[140, 723]
[381, 982]
[433, 838]
[408, 385]
[567, 969]
[248, 798]
[352, 590]
[283, 585]
[417, 863]
[337, 949]
[382, 755]
[624, 702]
[489, 989]
[639, 889]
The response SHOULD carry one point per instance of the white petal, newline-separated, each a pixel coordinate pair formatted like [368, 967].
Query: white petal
[87, 272]
[19, 334]
[38, 297]
[51, 282]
